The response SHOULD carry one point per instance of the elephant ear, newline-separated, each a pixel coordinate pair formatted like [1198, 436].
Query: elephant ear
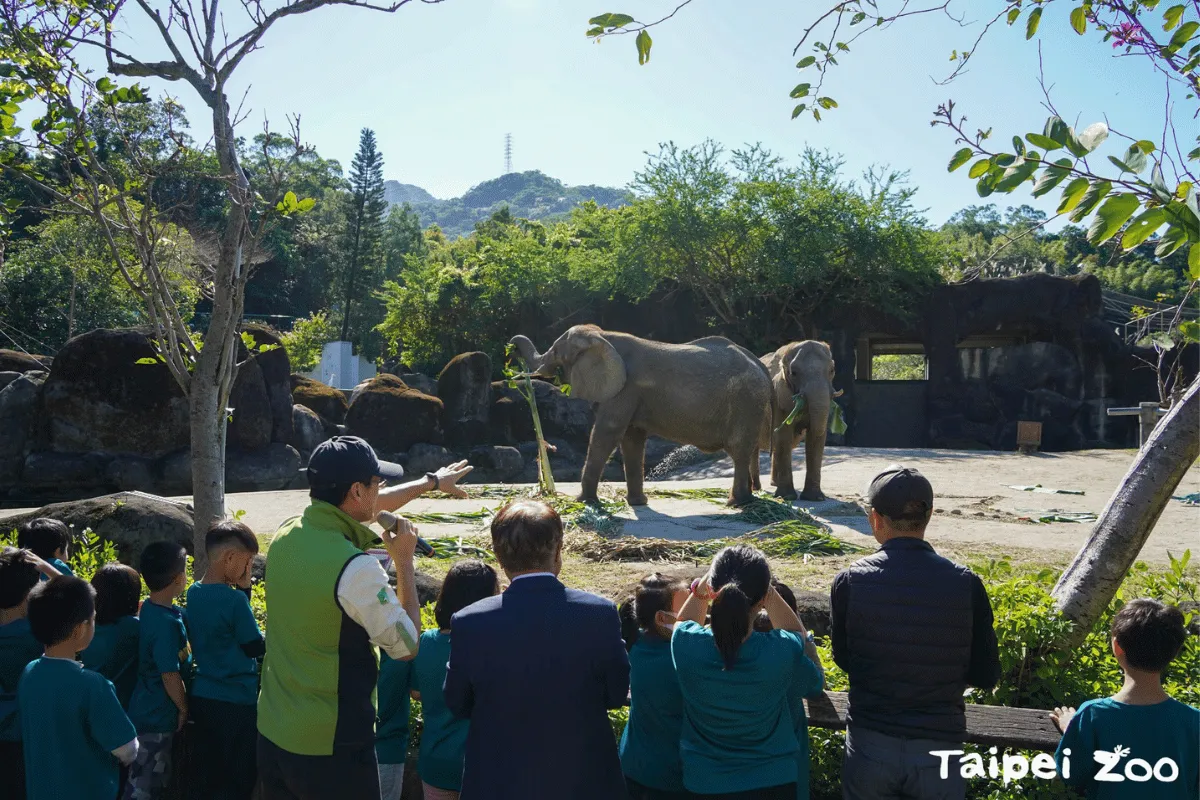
[595, 369]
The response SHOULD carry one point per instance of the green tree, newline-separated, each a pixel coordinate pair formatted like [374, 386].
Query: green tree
[365, 208]
[306, 341]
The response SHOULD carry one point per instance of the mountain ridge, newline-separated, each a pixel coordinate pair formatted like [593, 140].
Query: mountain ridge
[531, 194]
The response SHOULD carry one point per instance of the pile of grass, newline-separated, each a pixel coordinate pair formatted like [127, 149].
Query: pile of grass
[793, 538]
[712, 495]
[448, 517]
[455, 547]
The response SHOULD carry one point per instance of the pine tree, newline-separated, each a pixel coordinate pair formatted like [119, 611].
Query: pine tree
[364, 223]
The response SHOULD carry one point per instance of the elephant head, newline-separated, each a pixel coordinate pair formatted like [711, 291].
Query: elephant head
[806, 369]
[592, 366]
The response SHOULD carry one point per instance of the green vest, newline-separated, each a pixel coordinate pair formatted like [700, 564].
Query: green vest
[320, 669]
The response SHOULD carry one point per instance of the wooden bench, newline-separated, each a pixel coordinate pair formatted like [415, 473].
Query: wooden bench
[1017, 728]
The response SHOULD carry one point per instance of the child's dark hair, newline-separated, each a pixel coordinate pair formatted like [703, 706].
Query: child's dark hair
[740, 576]
[230, 532]
[44, 536]
[18, 574]
[1151, 633]
[763, 622]
[162, 562]
[118, 592]
[57, 606]
[655, 593]
[467, 582]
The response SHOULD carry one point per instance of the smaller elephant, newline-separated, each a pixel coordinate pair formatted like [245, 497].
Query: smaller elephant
[803, 369]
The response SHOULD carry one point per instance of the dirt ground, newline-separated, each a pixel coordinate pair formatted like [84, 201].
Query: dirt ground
[978, 514]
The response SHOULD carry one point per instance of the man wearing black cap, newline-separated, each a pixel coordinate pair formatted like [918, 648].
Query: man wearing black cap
[330, 605]
[912, 630]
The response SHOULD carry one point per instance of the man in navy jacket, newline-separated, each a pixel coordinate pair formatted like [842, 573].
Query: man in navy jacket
[536, 669]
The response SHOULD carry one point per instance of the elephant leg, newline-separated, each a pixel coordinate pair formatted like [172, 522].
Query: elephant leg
[606, 434]
[742, 491]
[633, 453]
[781, 463]
[755, 473]
[814, 453]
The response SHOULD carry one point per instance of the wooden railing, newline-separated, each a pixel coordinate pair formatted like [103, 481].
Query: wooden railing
[1017, 728]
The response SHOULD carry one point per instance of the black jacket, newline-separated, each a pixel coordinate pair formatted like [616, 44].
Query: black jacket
[912, 630]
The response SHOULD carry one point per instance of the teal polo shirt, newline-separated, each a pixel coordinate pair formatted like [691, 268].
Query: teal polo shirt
[391, 721]
[737, 732]
[59, 565]
[1166, 730]
[650, 744]
[163, 648]
[17, 649]
[114, 654]
[444, 737]
[219, 623]
[71, 722]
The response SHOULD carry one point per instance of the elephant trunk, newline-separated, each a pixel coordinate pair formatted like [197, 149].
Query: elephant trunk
[818, 403]
[534, 361]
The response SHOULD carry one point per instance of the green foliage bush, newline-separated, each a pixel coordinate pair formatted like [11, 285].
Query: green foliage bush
[306, 340]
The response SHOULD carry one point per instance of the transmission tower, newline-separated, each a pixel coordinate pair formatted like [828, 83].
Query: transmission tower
[507, 153]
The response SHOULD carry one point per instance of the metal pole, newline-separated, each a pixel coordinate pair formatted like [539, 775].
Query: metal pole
[1147, 419]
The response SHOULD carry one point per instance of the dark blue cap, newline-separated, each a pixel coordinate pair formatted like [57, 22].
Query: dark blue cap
[348, 459]
[901, 493]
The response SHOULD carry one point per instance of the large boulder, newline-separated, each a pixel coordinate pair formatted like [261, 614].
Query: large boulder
[60, 471]
[393, 417]
[18, 409]
[465, 389]
[277, 377]
[329, 403]
[509, 419]
[273, 467]
[422, 383]
[422, 458]
[8, 377]
[14, 361]
[308, 430]
[562, 415]
[129, 521]
[252, 424]
[99, 398]
[496, 463]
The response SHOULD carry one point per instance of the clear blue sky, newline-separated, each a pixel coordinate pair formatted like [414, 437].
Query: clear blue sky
[441, 85]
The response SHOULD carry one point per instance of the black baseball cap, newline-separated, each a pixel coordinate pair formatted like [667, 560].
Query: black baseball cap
[348, 459]
[892, 490]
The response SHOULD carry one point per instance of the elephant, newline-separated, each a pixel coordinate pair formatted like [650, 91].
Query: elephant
[799, 368]
[710, 393]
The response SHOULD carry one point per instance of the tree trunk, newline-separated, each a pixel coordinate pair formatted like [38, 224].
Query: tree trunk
[1091, 581]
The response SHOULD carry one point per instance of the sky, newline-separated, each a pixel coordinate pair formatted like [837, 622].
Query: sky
[441, 84]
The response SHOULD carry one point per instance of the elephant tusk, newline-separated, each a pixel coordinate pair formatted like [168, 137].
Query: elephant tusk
[839, 393]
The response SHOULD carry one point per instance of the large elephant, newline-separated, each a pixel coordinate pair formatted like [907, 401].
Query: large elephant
[806, 369]
[709, 393]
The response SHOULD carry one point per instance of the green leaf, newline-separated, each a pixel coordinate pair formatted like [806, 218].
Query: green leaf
[1057, 130]
[1109, 218]
[816, 115]
[1013, 14]
[618, 20]
[643, 43]
[1172, 16]
[1053, 176]
[1146, 146]
[826, 102]
[807, 61]
[147, 360]
[1072, 194]
[1182, 36]
[960, 158]
[1031, 24]
[857, 18]
[801, 90]
[1174, 238]
[979, 168]
[1079, 20]
[1142, 226]
[798, 110]
[1190, 331]
[1018, 146]
[1015, 175]
[1093, 136]
[601, 21]
[1194, 261]
[1044, 142]
[1095, 193]
[1135, 158]
[1181, 191]
[289, 200]
[306, 204]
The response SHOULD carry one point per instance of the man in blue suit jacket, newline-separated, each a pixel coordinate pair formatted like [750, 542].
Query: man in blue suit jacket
[536, 669]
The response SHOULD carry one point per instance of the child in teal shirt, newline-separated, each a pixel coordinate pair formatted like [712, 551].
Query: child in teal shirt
[159, 707]
[738, 735]
[391, 724]
[114, 649]
[75, 731]
[444, 738]
[226, 641]
[49, 539]
[649, 747]
[20, 571]
[1140, 742]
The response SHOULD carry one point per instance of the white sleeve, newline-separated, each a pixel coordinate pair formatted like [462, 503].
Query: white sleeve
[367, 598]
[127, 752]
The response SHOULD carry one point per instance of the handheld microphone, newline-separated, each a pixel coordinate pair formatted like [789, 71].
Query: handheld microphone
[389, 522]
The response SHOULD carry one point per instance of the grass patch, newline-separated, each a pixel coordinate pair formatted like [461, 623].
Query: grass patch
[765, 509]
[714, 494]
[792, 538]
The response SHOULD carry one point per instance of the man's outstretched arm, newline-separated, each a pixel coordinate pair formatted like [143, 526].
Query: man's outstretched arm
[447, 478]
